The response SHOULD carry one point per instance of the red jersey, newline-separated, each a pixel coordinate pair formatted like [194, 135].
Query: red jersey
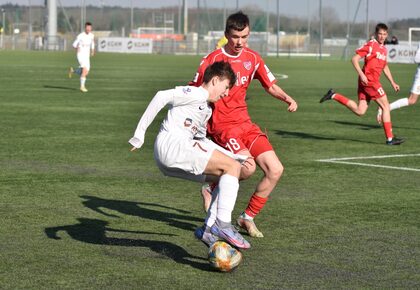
[232, 110]
[375, 59]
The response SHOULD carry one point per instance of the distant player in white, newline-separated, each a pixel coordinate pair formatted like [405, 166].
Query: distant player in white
[182, 150]
[85, 46]
[415, 89]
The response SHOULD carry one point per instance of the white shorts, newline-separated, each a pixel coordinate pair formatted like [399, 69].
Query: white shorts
[84, 61]
[415, 89]
[182, 157]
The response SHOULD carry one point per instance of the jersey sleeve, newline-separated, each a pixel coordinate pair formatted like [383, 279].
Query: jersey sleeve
[263, 74]
[160, 100]
[76, 42]
[198, 78]
[364, 50]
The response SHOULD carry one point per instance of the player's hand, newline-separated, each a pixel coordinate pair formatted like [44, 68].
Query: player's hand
[248, 163]
[136, 143]
[396, 87]
[292, 106]
[364, 79]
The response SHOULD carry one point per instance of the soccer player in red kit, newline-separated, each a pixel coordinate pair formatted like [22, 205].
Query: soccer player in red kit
[374, 53]
[231, 125]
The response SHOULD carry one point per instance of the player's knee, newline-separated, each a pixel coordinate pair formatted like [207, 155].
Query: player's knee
[360, 112]
[275, 172]
[233, 168]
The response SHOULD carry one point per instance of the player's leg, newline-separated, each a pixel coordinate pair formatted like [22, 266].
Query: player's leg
[204, 233]
[85, 72]
[84, 62]
[268, 161]
[233, 141]
[400, 103]
[70, 72]
[78, 71]
[415, 90]
[386, 121]
[247, 169]
[412, 99]
[234, 144]
[221, 164]
[404, 102]
[195, 160]
[228, 169]
[357, 108]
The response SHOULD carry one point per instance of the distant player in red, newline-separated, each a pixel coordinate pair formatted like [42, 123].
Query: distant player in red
[374, 53]
[231, 125]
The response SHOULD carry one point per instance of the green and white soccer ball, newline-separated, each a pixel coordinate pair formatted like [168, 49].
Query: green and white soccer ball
[223, 257]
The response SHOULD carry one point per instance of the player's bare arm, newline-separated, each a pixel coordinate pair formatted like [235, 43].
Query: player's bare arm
[278, 93]
[355, 61]
[388, 75]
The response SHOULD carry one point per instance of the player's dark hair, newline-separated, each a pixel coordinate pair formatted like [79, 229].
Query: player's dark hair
[381, 26]
[220, 69]
[88, 23]
[237, 21]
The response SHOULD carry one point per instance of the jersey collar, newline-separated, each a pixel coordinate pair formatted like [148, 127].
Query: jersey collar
[204, 91]
[229, 55]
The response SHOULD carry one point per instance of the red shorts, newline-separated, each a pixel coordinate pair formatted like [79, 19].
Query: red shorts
[247, 136]
[370, 92]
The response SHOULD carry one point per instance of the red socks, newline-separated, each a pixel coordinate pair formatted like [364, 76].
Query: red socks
[341, 99]
[388, 130]
[255, 205]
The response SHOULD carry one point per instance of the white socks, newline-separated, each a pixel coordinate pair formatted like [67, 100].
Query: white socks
[82, 82]
[223, 200]
[212, 212]
[399, 104]
[228, 186]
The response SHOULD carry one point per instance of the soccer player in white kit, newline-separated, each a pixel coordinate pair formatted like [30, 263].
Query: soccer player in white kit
[414, 93]
[182, 150]
[85, 46]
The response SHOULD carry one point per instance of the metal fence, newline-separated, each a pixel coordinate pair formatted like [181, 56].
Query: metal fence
[333, 28]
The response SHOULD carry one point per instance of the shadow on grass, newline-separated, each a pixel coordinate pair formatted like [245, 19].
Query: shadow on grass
[360, 126]
[302, 135]
[181, 219]
[60, 88]
[369, 127]
[94, 231]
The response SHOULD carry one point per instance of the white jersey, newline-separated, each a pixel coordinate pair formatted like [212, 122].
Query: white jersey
[415, 89]
[187, 115]
[84, 44]
[417, 56]
[181, 149]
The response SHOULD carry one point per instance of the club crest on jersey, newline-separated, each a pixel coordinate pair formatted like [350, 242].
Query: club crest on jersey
[186, 90]
[187, 122]
[247, 65]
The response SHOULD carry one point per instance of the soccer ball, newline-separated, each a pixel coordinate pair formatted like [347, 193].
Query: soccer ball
[223, 257]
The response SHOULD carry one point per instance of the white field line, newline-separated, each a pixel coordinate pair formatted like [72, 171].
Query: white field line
[344, 161]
